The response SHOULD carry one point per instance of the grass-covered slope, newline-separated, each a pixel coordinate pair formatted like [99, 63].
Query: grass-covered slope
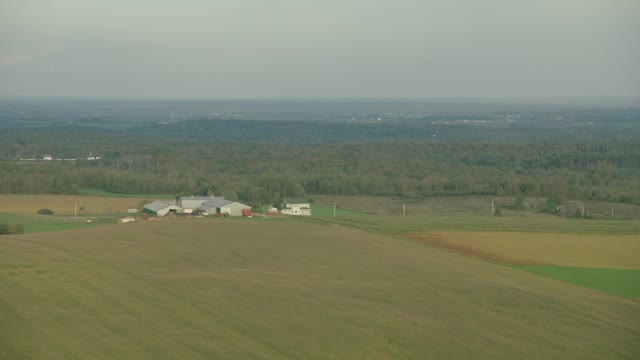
[256, 289]
[621, 282]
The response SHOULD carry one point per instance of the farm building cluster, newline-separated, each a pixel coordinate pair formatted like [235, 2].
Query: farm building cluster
[218, 206]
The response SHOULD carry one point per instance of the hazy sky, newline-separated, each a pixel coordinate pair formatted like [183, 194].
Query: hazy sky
[311, 48]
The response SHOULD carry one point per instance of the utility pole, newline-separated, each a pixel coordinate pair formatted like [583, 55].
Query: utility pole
[404, 210]
[493, 208]
[75, 209]
[612, 213]
[334, 209]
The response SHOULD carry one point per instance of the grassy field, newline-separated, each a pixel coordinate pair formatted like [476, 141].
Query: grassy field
[471, 206]
[621, 282]
[539, 224]
[605, 262]
[600, 245]
[65, 204]
[40, 223]
[327, 211]
[276, 290]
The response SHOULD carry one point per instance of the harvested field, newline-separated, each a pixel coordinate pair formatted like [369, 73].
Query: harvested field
[256, 289]
[605, 262]
[579, 250]
[64, 204]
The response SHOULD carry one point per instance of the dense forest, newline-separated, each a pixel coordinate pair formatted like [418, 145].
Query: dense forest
[264, 172]
[580, 154]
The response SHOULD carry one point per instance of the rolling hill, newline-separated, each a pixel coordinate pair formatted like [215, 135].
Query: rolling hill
[260, 289]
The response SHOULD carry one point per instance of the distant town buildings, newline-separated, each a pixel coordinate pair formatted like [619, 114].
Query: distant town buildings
[49, 157]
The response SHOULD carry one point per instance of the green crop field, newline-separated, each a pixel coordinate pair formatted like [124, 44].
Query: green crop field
[41, 223]
[621, 282]
[266, 289]
[605, 262]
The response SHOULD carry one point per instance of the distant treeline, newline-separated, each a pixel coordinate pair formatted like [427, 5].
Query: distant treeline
[156, 162]
[460, 128]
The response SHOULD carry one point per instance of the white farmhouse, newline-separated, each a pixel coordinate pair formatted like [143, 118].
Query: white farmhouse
[296, 207]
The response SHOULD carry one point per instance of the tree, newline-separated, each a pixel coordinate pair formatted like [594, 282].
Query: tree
[518, 204]
[553, 205]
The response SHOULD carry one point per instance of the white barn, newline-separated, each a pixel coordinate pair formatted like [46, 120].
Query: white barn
[161, 208]
[212, 205]
[190, 203]
[207, 205]
[222, 206]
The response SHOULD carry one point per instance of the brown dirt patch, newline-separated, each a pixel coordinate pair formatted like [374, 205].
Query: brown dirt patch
[440, 241]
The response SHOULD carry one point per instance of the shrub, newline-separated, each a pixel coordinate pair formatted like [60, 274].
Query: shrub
[6, 229]
[16, 229]
[554, 204]
[45, 212]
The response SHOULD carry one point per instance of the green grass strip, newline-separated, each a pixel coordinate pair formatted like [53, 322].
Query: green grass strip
[620, 282]
[41, 223]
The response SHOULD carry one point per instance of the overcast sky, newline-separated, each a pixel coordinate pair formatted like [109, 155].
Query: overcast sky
[319, 49]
